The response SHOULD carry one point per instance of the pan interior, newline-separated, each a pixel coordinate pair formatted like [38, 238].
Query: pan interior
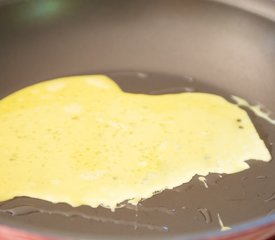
[200, 204]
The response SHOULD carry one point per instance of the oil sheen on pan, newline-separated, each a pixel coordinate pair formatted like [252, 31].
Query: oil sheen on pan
[83, 141]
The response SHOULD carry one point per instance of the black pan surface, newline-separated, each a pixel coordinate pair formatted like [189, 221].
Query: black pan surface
[152, 47]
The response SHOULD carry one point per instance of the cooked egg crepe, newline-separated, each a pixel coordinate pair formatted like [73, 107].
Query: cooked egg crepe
[83, 141]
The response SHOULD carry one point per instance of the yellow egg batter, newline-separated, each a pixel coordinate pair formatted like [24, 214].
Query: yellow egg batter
[82, 140]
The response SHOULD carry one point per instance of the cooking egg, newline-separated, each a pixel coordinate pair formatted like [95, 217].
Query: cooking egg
[83, 141]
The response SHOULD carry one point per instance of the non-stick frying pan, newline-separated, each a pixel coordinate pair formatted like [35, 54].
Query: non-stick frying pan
[154, 47]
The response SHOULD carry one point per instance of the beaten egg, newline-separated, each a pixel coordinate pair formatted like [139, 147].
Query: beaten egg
[83, 141]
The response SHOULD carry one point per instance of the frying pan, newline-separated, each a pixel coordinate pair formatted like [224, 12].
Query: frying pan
[154, 47]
